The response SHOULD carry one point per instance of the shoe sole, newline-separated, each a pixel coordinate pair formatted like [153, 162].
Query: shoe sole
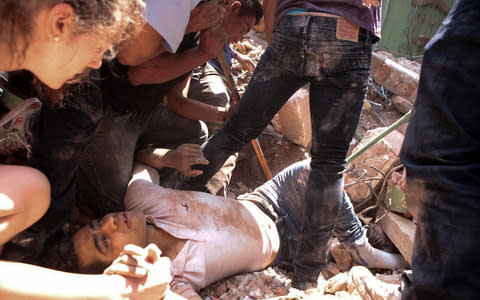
[17, 110]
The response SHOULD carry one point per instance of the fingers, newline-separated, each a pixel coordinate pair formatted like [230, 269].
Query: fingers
[134, 261]
[192, 173]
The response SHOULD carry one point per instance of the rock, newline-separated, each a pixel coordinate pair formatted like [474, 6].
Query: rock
[341, 256]
[394, 76]
[330, 270]
[400, 230]
[337, 283]
[294, 118]
[401, 104]
[362, 281]
[382, 155]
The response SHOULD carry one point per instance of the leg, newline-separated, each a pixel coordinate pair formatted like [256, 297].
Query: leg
[24, 198]
[336, 97]
[441, 153]
[272, 84]
[284, 196]
[106, 166]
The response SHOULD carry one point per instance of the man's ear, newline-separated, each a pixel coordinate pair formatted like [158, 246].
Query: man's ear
[59, 22]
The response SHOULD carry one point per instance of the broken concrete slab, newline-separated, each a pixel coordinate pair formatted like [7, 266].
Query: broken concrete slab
[400, 230]
[401, 104]
[394, 76]
[341, 256]
[293, 120]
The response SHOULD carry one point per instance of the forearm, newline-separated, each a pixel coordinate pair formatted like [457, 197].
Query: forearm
[194, 109]
[145, 45]
[23, 281]
[269, 7]
[166, 67]
[154, 157]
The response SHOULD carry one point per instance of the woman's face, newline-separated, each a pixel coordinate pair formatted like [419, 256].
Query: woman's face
[56, 53]
[102, 240]
[70, 58]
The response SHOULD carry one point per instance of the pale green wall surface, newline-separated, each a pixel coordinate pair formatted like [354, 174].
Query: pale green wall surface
[407, 28]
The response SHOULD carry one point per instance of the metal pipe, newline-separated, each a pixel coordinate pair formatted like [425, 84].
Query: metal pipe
[380, 136]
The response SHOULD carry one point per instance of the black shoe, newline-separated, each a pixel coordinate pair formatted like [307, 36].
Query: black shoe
[304, 284]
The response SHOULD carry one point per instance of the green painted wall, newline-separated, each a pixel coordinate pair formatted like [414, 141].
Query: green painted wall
[407, 27]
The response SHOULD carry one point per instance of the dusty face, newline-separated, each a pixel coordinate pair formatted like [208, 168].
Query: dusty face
[236, 26]
[102, 240]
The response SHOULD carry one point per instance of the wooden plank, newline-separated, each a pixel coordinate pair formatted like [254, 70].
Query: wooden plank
[400, 230]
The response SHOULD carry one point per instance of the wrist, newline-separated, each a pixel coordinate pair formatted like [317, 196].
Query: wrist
[222, 114]
[204, 55]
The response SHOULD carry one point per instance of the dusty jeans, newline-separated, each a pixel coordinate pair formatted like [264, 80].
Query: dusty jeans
[441, 152]
[107, 164]
[282, 199]
[304, 50]
[60, 137]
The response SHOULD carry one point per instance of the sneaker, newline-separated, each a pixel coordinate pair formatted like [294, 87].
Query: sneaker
[364, 254]
[16, 127]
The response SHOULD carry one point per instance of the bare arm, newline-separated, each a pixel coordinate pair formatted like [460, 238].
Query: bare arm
[269, 7]
[23, 281]
[182, 158]
[145, 45]
[193, 109]
[168, 66]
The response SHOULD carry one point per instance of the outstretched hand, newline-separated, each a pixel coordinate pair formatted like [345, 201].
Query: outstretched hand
[147, 273]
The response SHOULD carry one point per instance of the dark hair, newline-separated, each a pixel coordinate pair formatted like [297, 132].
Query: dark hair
[61, 255]
[251, 8]
[106, 16]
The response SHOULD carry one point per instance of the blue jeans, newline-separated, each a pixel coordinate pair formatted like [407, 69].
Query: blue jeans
[441, 153]
[282, 199]
[304, 50]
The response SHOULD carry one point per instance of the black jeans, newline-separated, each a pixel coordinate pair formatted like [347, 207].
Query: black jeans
[441, 152]
[304, 50]
[60, 137]
[107, 163]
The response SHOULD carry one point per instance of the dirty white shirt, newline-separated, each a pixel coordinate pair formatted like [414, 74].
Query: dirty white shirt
[224, 236]
[170, 19]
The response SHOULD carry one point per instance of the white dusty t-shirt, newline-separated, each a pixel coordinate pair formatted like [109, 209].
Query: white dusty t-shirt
[170, 19]
[224, 236]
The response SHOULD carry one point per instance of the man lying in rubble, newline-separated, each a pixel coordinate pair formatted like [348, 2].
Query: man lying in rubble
[208, 237]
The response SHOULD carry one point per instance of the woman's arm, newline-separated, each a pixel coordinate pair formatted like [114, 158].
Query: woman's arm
[29, 282]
